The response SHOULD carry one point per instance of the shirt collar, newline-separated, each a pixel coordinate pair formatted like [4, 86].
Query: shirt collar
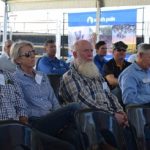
[20, 71]
[138, 67]
[51, 58]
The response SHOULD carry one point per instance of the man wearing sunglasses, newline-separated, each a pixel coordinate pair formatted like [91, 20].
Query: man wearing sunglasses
[115, 66]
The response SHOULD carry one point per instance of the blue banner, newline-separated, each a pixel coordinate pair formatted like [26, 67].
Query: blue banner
[113, 17]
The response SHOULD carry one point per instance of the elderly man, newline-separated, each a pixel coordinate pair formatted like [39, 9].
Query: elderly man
[13, 106]
[5, 61]
[135, 80]
[84, 84]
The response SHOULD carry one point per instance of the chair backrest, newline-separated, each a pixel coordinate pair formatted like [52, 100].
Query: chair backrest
[95, 124]
[37, 62]
[55, 82]
[139, 119]
[17, 136]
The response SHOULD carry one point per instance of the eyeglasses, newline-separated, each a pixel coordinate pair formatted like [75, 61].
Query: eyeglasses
[28, 54]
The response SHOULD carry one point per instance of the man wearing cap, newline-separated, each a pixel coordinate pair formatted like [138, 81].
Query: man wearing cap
[115, 66]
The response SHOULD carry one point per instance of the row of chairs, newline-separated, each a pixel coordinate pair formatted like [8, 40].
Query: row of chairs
[17, 136]
[91, 123]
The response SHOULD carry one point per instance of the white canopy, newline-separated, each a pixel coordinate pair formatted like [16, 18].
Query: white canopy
[21, 5]
[18, 5]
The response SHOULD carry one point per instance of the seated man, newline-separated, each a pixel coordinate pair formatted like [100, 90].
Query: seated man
[99, 60]
[13, 106]
[135, 80]
[83, 84]
[49, 63]
[114, 67]
[5, 61]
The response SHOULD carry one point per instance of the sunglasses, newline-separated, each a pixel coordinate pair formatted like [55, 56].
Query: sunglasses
[28, 54]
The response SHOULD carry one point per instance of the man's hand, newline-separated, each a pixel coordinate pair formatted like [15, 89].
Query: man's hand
[122, 118]
[23, 119]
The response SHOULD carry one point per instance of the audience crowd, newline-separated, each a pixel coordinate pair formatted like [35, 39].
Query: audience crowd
[89, 82]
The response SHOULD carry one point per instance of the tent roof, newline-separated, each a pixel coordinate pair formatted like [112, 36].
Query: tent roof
[18, 5]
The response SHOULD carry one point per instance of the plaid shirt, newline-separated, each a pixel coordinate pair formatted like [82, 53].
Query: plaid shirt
[88, 92]
[12, 104]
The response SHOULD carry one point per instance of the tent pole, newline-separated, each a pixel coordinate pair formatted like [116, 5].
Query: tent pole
[5, 24]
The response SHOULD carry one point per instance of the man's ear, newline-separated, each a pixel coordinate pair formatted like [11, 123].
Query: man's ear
[75, 54]
[140, 54]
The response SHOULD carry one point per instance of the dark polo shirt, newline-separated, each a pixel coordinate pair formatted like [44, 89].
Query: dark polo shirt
[111, 68]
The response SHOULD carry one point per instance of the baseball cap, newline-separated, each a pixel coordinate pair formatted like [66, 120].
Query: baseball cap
[120, 46]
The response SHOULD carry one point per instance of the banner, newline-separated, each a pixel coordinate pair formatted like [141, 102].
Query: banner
[115, 25]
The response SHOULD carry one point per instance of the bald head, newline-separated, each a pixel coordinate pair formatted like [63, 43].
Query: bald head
[83, 54]
[83, 49]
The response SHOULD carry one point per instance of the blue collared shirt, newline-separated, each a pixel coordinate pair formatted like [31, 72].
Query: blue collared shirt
[135, 85]
[40, 97]
[99, 62]
[12, 104]
[50, 65]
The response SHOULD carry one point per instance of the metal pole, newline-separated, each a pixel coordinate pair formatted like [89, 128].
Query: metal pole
[97, 19]
[63, 36]
[143, 26]
[5, 24]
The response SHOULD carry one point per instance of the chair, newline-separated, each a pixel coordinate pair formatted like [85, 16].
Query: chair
[37, 62]
[94, 124]
[55, 82]
[139, 119]
[17, 136]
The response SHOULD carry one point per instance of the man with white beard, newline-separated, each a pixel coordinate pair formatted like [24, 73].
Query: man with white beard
[84, 84]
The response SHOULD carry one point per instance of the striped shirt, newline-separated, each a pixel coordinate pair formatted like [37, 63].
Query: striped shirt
[12, 104]
[88, 92]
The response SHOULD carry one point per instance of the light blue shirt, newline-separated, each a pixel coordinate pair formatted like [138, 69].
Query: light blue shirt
[135, 85]
[40, 97]
[6, 64]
